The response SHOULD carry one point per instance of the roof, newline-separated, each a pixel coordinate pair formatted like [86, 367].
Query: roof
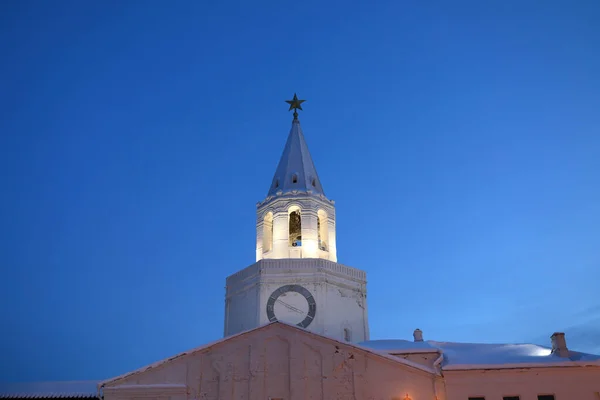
[56, 390]
[296, 170]
[485, 356]
[266, 326]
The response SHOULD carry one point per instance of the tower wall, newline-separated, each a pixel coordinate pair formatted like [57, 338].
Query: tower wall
[242, 303]
[310, 247]
[339, 291]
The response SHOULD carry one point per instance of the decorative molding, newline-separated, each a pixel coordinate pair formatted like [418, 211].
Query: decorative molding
[295, 194]
[297, 265]
[306, 270]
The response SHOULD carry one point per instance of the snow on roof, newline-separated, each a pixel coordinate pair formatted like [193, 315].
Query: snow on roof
[485, 356]
[458, 355]
[37, 390]
[400, 346]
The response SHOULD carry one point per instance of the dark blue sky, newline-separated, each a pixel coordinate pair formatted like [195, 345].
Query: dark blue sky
[460, 140]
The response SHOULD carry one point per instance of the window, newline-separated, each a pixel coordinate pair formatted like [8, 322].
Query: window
[545, 397]
[295, 228]
[276, 183]
[511, 398]
[294, 178]
[314, 182]
[477, 398]
[347, 335]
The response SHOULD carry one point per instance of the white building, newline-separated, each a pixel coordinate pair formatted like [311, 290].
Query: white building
[296, 328]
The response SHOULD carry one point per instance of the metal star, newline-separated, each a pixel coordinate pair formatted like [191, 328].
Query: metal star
[295, 104]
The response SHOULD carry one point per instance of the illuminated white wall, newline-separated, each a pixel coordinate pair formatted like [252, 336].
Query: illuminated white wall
[279, 207]
[339, 291]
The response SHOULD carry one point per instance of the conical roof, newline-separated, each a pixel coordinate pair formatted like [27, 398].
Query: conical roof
[296, 170]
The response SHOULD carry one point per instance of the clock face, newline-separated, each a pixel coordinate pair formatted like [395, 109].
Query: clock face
[292, 304]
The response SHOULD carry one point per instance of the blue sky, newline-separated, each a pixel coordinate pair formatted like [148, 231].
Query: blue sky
[460, 141]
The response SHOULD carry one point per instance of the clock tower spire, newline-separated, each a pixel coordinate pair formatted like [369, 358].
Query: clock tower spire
[296, 277]
[296, 220]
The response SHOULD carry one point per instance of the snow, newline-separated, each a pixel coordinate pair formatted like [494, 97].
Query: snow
[34, 390]
[510, 354]
[483, 356]
[404, 346]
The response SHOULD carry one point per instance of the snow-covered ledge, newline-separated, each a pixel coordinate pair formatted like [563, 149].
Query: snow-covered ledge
[135, 391]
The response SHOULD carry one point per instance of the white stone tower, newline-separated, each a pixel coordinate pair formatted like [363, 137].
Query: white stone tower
[296, 277]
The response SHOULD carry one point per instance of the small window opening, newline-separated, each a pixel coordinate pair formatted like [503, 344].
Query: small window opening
[545, 397]
[511, 398]
[276, 183]
[295, 229]
[322, 232]
[477, 398]
[347, 335]
[314, 182]
[294, 178]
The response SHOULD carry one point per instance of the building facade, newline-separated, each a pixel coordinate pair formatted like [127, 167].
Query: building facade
[296, 327]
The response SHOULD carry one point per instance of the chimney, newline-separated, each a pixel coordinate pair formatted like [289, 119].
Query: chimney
[418, 335]
[559, 344]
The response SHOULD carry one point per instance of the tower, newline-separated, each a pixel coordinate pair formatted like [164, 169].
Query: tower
[296, 277]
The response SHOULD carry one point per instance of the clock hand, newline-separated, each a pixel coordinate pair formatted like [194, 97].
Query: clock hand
[291, 307]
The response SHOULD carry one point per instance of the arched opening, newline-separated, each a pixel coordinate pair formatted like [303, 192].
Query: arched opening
[347, 335]
[322, 230]
[294, 178]
[268, 232]
[295, 227]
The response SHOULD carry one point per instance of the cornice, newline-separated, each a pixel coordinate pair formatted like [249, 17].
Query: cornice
[273, 269]
[295, 195]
